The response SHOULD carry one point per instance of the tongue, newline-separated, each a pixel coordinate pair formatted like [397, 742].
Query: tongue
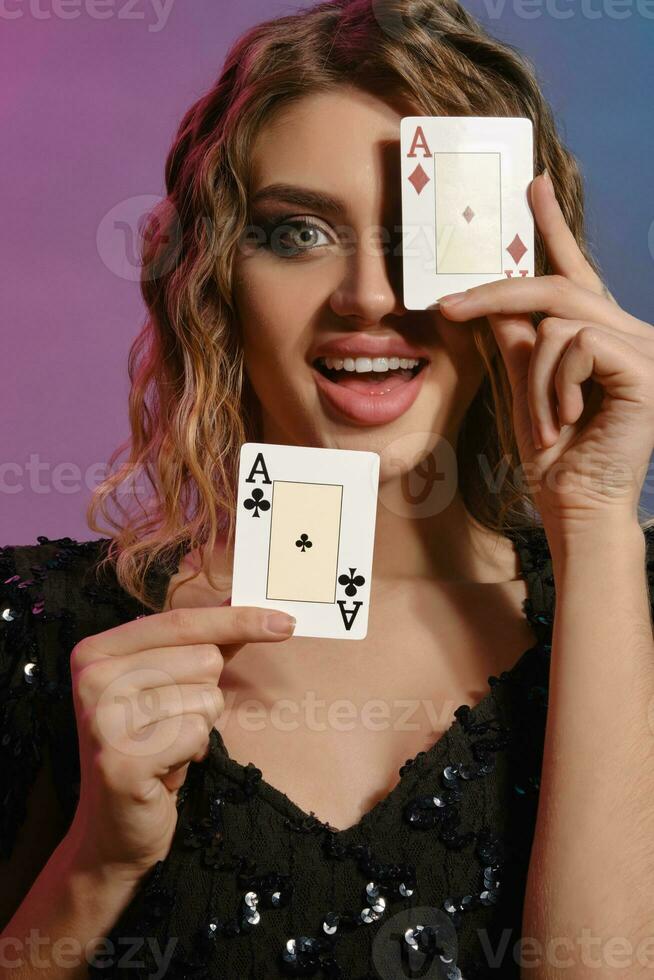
[372, 382]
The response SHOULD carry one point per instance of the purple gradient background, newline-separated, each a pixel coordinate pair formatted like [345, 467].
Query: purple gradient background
[90, 107]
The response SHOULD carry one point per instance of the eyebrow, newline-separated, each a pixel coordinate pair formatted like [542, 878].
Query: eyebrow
[302, 197]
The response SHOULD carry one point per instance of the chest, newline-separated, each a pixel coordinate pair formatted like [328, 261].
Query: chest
[330, 723]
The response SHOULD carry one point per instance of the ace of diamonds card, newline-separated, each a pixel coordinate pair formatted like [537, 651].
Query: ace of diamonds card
[305, 528]
[465, 213]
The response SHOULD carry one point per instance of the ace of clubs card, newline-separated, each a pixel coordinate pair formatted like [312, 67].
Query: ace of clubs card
[466, 218]
[304, 536]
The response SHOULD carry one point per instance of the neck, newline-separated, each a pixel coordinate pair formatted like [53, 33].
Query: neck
[449, 545]
[423, 530]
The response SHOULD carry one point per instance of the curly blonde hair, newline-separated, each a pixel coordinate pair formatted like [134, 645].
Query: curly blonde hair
[190, 404]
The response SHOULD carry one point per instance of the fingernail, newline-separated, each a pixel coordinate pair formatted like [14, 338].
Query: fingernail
[548, 182]
[452, 298]
[279, 622]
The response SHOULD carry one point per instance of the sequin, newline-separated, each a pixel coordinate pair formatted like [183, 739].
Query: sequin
[31, 671]
[235, 838]
[450, 774]
[304, 953]
[330, 923]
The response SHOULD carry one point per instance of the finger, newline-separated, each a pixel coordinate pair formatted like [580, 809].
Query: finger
[553, 295]
[552, 340]
[229, 649]
[223, 625]
[611, 361]
[172, 743]
[515, 336]
[194, 745]
[147, 708]
[565, 256]
[197, 663]
[176, 776]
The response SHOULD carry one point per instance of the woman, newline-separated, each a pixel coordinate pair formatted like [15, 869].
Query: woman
[231, 821]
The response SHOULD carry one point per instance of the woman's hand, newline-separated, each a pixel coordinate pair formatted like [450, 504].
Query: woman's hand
[146, 697]
[582, 382]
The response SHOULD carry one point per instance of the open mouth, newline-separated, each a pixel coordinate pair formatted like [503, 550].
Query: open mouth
[368, 391]
[370, 381]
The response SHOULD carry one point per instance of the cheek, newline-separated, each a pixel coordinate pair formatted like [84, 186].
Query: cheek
[273, 319]
[273, 313]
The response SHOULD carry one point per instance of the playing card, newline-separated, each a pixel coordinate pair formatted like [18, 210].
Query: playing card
[466, 218]
[305, 528]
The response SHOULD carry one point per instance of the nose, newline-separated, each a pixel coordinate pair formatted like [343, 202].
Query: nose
[370, 288]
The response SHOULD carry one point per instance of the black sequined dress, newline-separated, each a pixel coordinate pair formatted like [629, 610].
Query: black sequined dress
[430, 882]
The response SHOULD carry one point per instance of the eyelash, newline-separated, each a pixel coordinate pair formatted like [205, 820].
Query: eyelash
[272, 224]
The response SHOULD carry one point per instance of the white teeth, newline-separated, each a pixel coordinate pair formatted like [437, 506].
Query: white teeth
[362, 364]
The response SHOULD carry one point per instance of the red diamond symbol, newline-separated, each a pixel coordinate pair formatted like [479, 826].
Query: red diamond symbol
[516, 249]
[419, 178]
[468, 214]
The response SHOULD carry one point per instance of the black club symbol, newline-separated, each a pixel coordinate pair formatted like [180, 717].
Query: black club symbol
[304, 542]
[256, 502]
[351, 581]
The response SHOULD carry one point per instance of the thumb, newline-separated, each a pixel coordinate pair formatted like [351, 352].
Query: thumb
[229, 649]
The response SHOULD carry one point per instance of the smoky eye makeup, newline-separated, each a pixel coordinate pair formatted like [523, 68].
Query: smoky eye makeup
[287, 235]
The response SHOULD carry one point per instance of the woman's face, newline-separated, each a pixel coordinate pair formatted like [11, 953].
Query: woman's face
[325, 276]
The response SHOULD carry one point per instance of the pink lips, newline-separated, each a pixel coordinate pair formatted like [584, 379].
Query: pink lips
[369, 409]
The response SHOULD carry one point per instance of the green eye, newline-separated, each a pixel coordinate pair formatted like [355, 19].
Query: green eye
[289, 239]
